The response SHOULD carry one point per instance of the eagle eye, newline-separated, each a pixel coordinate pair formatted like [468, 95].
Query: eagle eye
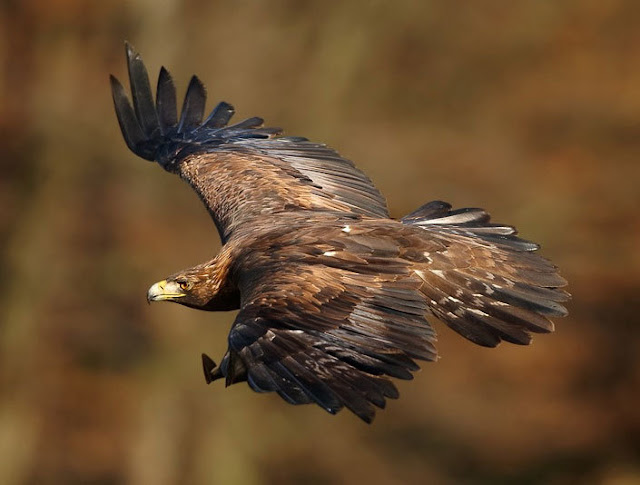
[184, 285]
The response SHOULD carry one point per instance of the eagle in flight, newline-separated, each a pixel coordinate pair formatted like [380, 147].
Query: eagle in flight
[333, 293]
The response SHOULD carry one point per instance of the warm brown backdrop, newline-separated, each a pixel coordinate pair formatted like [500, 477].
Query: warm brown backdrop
[530, 109]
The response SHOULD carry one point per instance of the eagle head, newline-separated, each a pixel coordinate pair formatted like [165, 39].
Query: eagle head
[204, 287]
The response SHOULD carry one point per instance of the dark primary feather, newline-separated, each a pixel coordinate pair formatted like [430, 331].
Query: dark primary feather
[142, 95]
[166, 104]
[193, 106]
[220, 116]
[131, 131]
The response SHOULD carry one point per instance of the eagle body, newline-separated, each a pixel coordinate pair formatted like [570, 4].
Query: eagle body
[333, 295]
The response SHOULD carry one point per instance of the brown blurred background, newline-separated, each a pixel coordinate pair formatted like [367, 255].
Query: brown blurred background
[530, 109]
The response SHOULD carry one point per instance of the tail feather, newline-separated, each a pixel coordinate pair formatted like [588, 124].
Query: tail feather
[439, 212]
[486, 284]
[528, 297]
[470, 220]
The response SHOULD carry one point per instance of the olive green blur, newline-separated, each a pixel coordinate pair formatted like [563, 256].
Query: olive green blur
[529, 109]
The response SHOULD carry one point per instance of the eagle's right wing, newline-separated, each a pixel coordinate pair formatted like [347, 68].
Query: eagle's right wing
[243, 171]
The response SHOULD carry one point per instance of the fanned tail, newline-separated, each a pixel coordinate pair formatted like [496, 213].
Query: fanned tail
[487, 285]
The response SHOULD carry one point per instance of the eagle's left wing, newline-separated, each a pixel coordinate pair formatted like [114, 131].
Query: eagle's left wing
[241, 172]
[314, 333]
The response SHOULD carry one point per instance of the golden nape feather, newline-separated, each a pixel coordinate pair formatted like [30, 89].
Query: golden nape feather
[334, 295]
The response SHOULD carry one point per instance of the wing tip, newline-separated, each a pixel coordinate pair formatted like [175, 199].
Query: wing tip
[193, 106]
[148, 132]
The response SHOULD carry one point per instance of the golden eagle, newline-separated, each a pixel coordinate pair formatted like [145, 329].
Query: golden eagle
[333, 294]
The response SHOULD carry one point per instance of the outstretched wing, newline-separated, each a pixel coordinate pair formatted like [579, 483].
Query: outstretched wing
[331, 333]
[242, 171]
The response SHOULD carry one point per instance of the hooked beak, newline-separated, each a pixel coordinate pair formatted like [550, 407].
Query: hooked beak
[164, 290]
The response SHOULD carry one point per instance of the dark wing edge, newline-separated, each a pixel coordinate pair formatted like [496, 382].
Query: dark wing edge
[488, 285]
[153, 131]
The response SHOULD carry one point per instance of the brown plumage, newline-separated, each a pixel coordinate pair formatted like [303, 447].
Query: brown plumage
[333, 294]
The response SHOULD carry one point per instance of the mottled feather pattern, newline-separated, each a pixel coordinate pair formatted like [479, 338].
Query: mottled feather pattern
[334, 296]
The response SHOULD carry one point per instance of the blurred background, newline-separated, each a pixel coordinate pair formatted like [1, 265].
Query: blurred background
[529, 109]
